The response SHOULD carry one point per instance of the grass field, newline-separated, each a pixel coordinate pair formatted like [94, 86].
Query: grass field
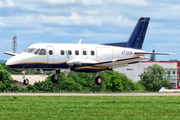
[92, 108]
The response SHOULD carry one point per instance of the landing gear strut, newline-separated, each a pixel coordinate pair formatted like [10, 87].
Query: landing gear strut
[26, 81]
[54, 78]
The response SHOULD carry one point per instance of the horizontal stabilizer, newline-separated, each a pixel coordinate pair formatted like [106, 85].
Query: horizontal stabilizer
[153, 53]
[10, 53]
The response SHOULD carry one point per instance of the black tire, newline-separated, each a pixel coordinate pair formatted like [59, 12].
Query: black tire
[98, 80]
[53, 79]
[26, 81]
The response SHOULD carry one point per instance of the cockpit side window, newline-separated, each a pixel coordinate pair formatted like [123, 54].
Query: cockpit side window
[31, 50]
[42, 52]
[36, 51]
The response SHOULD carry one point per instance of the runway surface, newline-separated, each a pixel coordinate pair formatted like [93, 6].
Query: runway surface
[89, 94]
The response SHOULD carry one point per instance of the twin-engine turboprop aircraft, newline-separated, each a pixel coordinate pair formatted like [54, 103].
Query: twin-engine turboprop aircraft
[82, 57]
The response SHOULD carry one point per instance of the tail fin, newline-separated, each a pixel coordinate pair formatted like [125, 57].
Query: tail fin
[137, 36]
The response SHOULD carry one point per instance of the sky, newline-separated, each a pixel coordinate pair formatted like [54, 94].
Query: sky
[93, 21]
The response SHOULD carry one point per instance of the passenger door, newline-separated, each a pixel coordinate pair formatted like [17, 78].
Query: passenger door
[50, 54]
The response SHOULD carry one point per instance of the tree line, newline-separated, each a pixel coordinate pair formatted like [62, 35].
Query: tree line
[151, 80]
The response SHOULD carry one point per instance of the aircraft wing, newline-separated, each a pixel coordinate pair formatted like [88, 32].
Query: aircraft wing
[142, 53]
[120, 62]
[10, 53]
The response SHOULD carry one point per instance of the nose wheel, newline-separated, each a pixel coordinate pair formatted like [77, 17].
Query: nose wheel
[26, 81]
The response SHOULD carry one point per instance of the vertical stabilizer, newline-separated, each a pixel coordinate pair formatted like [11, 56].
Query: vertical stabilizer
[137, 36]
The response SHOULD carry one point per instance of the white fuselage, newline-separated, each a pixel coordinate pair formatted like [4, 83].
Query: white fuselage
[59, 56]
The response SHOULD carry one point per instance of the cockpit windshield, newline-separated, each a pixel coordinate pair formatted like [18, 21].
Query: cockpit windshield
[36, 51]
[31, 50]
[27, 49]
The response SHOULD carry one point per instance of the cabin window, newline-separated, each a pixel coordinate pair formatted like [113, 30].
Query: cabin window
[84, 52]
[92, 52]
[36, 51]
[42, 52]
[69, 52]
[76, 52]
[31, 50]
[62, 52]
[50, 52]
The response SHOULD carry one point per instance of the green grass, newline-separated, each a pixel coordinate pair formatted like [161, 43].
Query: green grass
[92, 108]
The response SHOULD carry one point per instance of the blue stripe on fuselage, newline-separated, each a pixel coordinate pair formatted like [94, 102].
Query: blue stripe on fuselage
[39, 65]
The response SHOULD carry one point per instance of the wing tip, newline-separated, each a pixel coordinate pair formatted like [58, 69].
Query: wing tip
[10, 53]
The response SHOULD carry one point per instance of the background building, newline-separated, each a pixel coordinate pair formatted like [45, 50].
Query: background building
[171, 67]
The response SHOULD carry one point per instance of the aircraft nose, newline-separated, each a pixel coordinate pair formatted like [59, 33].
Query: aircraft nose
[18, 60]
[9, 62]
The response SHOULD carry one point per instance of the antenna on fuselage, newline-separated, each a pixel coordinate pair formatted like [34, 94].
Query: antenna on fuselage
[79, 41]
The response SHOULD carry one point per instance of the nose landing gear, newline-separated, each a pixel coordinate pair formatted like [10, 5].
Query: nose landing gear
[54, 78]
[26, 81]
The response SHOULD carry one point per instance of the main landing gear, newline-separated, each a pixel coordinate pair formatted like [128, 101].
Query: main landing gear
[26, 81]
[98, 80]
[54, 78]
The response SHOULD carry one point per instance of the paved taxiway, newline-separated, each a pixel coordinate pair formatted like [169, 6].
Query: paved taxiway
[89, 94]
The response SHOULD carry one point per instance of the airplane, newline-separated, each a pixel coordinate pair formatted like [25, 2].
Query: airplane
[91, 58]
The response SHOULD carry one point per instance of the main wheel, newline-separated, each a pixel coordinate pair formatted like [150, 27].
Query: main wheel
[98, 80]
[26, 81]
[54, 78]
